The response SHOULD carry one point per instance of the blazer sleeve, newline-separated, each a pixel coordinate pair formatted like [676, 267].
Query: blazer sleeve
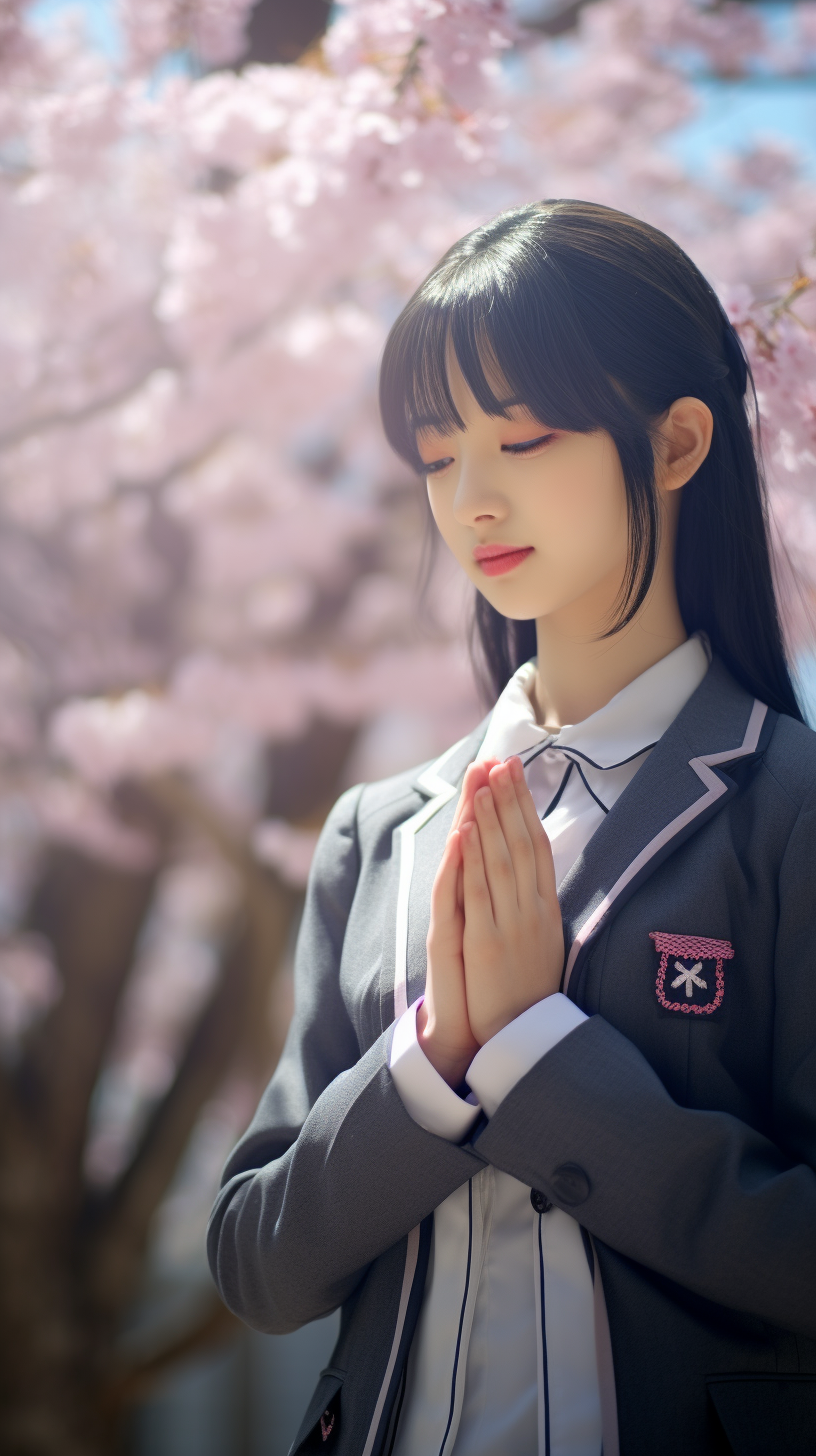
[332, 1170]
[697, 1196]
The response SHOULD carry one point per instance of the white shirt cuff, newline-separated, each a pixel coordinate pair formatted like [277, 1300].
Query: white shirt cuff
[514, 1051]
[425, 1095]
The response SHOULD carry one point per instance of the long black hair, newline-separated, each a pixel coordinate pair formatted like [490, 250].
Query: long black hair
[595, 320]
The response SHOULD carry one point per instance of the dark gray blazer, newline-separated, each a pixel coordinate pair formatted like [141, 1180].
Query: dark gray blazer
[684, 1142]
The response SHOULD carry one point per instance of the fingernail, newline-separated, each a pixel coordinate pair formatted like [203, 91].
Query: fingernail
[482, 796]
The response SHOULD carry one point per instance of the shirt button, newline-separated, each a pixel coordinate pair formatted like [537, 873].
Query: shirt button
[540, 1203]
[570, 1184]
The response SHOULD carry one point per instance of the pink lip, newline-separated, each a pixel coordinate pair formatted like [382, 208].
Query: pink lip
[496, 560]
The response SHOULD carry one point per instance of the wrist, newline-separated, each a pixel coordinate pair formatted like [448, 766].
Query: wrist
[451, 1061]
[492, 1022]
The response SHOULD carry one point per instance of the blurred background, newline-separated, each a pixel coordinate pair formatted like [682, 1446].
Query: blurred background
[210, 212]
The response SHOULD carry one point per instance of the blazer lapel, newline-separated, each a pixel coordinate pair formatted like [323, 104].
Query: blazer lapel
[680, 786]
[420, 842]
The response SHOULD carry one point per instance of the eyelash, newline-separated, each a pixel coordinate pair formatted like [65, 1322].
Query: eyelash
[525, 447]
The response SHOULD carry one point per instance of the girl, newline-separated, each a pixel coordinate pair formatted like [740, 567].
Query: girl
[545, 1124]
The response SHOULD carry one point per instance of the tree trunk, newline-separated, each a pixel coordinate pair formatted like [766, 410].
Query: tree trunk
[70, 1261]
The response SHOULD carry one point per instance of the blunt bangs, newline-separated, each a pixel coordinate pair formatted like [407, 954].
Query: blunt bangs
[506, 314]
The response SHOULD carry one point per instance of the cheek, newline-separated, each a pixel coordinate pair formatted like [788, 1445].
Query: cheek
[452, 533]
[586, 515]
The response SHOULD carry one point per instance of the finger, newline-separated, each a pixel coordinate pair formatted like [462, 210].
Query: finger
[501, 879]
[545, 868]
[516, 831]
[443, 894]
[475, 778]
[478, 906]
[464, 810]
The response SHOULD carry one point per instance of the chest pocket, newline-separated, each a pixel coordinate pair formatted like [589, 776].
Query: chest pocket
[690, 978]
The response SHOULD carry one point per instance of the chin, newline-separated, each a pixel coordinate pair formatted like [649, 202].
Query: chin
[517, 604]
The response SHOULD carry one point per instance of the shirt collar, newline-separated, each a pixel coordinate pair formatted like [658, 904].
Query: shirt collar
[635, 717]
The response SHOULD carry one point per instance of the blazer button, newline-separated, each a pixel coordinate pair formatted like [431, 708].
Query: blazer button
[570, 1184]
[540, 1203]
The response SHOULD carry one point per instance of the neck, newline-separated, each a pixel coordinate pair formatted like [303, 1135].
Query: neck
[579, 670]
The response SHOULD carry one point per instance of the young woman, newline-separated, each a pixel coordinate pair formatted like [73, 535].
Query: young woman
[545, 1124]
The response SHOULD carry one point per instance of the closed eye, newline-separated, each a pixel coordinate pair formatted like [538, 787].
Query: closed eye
[434, 466]
[526, 447]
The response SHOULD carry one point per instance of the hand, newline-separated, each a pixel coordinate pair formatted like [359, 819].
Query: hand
[443, 1029]
[513, 942]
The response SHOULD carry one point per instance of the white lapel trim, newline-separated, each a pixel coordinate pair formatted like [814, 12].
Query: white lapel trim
[411, 1258]
[442, 793]
[715, 788]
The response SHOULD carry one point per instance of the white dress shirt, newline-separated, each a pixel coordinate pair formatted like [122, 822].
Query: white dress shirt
[503, 1359]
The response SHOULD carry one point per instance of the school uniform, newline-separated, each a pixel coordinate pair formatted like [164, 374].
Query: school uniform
[671, 1121]
[504, 1357]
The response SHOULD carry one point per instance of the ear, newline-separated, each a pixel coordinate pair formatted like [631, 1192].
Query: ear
[684, 440]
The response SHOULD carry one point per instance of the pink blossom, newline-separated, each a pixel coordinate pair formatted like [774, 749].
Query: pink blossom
[108, 739]
[212, 29]
[207, 540]
[207, 545]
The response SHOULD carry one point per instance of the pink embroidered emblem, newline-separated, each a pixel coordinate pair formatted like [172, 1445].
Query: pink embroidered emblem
[697, 948]
[326, 1427]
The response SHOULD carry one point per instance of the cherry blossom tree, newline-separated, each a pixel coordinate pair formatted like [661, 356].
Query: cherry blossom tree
[208, 560]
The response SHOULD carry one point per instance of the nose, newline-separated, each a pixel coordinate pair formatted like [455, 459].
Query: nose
[477, 499]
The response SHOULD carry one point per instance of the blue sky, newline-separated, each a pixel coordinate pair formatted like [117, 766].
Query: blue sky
[100, 18]
[734, 113]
